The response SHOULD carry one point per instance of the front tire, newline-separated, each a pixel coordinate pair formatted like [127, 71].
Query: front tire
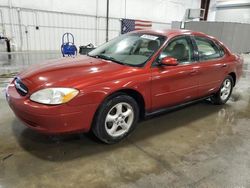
[116, 118]
[222, 96]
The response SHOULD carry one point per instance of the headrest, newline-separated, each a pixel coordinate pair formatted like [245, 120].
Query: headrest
[179, 49]
[153, 45]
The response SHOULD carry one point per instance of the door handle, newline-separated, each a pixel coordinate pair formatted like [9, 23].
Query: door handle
[193, 72]
[224, 65]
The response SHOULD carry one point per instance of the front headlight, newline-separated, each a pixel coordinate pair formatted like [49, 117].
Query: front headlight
[54, 95]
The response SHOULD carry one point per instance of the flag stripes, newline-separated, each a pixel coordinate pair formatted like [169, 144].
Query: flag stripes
[128, 25]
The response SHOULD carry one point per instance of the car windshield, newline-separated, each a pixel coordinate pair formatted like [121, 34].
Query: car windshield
[132, 49]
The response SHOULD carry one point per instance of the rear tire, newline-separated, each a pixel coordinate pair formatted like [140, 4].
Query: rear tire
[116, 118]
[222, 96]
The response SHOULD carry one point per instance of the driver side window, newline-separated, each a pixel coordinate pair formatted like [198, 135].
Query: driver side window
[179, 49]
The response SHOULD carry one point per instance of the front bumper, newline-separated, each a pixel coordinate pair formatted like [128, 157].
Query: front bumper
[50, 119]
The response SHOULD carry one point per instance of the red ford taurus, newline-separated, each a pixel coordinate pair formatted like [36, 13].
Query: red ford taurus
[134, 75]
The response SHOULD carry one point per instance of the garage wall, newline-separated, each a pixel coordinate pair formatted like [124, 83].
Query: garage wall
[84, 18]
[233, 11]
[239, 14]
[229, 11]
[234, 35]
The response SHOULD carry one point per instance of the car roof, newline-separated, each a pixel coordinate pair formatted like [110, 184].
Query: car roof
[172, 32]
[169, 33]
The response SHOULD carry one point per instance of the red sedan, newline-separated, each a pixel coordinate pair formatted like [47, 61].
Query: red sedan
[132, 76]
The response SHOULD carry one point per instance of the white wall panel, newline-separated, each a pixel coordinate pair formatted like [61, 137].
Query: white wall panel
[83, 18]
[161, 25]
[239, 14]
[229, 11]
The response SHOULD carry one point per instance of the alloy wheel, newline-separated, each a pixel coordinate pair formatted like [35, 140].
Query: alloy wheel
[226, 89]
[119, 119]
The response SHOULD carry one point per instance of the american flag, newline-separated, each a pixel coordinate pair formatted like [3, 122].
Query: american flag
[128, 25]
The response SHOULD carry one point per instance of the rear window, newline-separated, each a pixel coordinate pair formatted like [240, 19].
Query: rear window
[207, 49]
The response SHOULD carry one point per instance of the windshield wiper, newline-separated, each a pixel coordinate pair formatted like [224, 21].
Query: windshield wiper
[90, 55]
[107, 57]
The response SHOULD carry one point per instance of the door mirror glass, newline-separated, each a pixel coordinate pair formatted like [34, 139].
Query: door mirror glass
[169, 61]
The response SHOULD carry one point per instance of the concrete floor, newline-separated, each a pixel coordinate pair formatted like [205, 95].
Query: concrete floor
[201, 145]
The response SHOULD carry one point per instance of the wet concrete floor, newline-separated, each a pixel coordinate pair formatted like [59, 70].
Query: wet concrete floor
[201, 145]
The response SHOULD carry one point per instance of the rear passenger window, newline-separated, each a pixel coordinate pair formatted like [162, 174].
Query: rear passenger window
[207, 49]
[222, 52]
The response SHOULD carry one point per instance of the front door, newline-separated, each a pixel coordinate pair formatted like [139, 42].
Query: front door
[172, 85]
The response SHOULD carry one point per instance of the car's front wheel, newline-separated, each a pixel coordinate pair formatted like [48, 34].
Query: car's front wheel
[222, 96]
[116, 118]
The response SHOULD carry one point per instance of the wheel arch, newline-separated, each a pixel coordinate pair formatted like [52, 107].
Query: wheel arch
[138, 98]
[132, 93]
[234, 77]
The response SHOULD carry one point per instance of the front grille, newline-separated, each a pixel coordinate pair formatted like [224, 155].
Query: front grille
[20, 87]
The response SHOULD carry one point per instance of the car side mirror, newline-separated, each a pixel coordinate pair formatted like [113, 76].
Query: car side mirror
[169, 61]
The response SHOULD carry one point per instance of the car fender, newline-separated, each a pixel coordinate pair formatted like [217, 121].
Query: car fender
[97, 93]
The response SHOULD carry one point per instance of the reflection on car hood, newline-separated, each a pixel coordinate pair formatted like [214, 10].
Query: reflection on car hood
[72, 72]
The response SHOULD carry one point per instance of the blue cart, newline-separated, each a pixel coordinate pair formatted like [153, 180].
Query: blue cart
[68, 47]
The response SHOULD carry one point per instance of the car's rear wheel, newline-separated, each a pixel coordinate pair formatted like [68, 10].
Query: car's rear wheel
[222, 96]
[115, 118]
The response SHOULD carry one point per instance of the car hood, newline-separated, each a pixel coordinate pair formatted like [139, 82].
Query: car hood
[72, 72]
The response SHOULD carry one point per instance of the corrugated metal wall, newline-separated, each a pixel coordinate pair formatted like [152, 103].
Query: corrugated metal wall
[52, 25]
[234, 35]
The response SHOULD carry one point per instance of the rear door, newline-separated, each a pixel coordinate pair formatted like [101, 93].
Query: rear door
[212, 65]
